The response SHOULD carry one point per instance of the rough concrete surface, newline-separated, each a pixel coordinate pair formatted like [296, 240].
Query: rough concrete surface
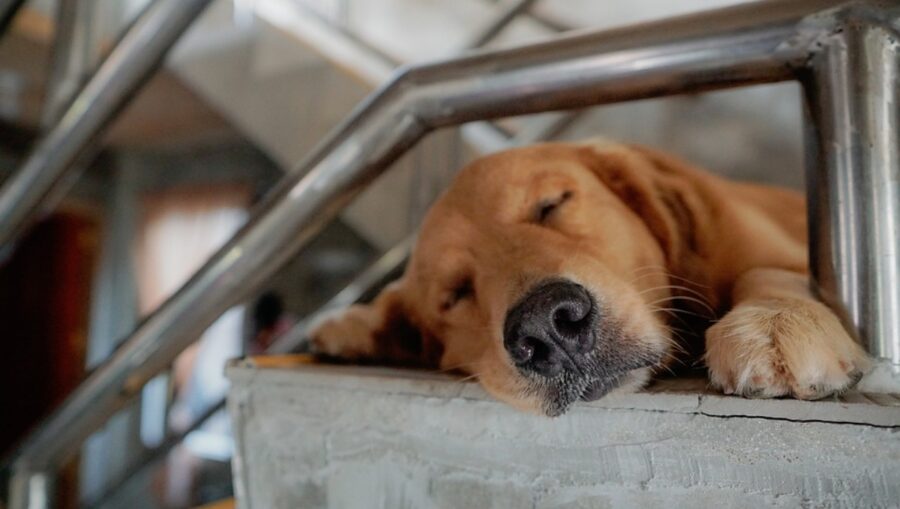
[341, 437]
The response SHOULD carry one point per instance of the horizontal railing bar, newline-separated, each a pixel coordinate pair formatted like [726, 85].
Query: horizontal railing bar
[750, 44]
[362, 59]
[46, 173]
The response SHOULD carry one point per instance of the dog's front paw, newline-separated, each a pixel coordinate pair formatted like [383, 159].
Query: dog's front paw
[346, 335]
[783, 347]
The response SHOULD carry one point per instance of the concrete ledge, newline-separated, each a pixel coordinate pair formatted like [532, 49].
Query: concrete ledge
[340, 436]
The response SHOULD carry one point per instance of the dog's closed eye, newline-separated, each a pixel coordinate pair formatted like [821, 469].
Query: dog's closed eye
[463, 289]
[546, 208]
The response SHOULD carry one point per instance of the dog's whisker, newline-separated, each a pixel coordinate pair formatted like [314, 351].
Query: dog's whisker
[672, 312]
[671, 276]
[707, 307]
[676, 345]
[665, 366]
[645, 267]
[464, 367]
[682, 312]
[466, 378]
[675, 287]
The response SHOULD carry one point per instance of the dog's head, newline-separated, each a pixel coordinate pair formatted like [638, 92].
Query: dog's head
[541, 271]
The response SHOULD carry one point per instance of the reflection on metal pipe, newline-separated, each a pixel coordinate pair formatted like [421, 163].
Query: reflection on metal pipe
[853, 101]
[70, 58]
[46, 173]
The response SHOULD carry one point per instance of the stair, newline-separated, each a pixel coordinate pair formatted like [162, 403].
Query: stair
[350, 437]
[285, 72]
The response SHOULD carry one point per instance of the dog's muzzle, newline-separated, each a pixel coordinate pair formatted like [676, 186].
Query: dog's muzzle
[552, 329]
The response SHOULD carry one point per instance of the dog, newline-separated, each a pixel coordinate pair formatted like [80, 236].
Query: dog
[561, 272]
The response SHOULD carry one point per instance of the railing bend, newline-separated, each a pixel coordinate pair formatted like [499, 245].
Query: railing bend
[746, 45]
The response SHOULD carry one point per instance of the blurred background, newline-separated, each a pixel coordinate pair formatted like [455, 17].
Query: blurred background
[247, 92]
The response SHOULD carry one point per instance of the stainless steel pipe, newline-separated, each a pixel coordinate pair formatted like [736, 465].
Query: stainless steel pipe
[746, 45]
[46, 173]
[70, 58]
[853, 101]
[282, 224]
[374, 277]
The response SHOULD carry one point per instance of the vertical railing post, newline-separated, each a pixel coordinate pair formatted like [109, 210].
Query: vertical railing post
[30, 490]
[77, 120]
[853, 159]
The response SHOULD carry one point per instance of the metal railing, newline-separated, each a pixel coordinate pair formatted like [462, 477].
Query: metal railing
[845, 56]
[386, 268]
[350, 51]
[46, 174]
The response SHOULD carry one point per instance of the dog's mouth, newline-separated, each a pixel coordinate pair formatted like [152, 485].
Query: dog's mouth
[560, 394]
[570, 346]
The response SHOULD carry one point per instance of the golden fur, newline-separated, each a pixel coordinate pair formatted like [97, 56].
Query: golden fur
[654, 240]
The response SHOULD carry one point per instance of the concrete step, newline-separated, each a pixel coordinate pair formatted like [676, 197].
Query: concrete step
[341, 436]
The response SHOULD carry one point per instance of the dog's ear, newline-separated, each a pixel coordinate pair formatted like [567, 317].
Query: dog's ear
[660, 190]
[384, 331]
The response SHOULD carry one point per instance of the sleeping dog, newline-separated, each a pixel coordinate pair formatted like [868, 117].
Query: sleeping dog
[560, 272]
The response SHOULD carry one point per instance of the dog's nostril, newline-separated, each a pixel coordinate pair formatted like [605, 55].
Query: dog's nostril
[535, 354]
[571, 320]
[523, 350]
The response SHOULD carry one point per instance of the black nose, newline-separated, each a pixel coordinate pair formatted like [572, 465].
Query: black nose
[551, 328]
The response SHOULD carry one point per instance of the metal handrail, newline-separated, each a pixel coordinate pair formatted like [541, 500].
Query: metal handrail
[70, 58]
[47, 172]
[368, 281]
[745, 45]
[374, 277]
[374, 67]
[360, 289]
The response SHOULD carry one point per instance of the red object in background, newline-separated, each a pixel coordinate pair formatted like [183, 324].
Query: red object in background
[44, 305]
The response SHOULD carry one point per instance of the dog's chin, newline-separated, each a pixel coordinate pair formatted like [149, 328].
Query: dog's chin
[629, 382]
[597, 389]
[560, 397]
[563, 398]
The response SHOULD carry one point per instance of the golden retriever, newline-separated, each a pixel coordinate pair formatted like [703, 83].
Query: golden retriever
[562, 271]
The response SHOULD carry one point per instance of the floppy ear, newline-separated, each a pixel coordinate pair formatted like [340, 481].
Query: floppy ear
[661, 191]
[384, 331]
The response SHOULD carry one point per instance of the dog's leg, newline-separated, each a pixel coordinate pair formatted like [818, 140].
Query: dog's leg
[381, 331]
[349, 334]
[779, 340]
